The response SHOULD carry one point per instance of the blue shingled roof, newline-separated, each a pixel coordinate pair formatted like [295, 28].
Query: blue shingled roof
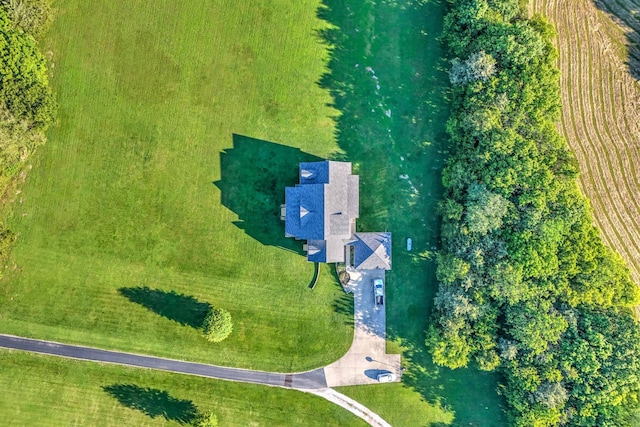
[323, 208]
[372, 250]
[317, 250]
[310, 225]
[319, 173]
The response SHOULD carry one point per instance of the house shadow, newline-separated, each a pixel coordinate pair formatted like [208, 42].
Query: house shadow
[181, 308]
[153, 403]
[254, 174]
[389, 82]
[626, 14]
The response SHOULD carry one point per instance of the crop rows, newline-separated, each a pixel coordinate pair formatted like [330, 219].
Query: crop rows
[626, 13]
[600, 118]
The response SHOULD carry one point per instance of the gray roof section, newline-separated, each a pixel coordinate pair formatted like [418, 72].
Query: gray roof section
[372, 251]
[353, 196]
[334, 249]
[323, 208]
[338, 207]
[337, 212]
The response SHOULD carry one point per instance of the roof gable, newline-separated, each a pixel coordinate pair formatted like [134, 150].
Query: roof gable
[314, 172]
[372, 251]
[304, 217]
[323, 209]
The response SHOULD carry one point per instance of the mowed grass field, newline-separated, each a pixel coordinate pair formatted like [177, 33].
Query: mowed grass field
[389, 80]
[158, 192]
[148, 202]
[600, 114]
[47, 391]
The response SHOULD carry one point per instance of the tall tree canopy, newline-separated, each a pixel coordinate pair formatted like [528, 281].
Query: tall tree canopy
[526, 284]
[26, 103]
[24, 86]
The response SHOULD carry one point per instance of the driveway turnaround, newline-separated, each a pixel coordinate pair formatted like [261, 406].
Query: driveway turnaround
[311, 382]
[367, 356]
[363, 362]
[305, 380]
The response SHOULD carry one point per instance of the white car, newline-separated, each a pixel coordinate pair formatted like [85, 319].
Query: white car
[386, 377]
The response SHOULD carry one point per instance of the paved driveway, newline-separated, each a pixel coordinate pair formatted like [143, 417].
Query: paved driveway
[310, 382]
[360, 365]
[303, 380]
[367, 356]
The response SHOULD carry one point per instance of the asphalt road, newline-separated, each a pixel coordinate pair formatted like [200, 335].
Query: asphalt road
[305, 380]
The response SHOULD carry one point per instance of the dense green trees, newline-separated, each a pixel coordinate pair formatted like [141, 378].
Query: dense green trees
[527, 286]
[31, 16]
[24, 86]
[26, 103]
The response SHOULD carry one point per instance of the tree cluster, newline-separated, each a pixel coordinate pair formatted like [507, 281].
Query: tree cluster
[24, 85]
[26, 103]
[526, 284]
[31, 16]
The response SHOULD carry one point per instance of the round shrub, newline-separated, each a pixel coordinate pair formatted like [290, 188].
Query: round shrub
[205, 420]
[217, 325]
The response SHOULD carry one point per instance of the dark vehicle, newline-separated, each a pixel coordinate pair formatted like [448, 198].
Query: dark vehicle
[378, 291]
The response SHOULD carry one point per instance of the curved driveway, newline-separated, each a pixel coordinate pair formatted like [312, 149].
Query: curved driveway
[305, 380]
[313, 382]
[360, 365]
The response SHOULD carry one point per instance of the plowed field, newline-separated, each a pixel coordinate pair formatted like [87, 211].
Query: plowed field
[601, 111]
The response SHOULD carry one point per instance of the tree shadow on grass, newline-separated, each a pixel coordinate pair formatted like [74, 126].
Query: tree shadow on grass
[254, 174]
[343, 305]
[388, 80]
[153, 402]
[627, 17]
[180, 308]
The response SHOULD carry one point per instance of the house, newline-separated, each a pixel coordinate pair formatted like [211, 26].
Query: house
[322, 209]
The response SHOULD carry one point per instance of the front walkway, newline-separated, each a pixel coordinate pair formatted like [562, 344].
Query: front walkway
[350, 405]
[367, 356]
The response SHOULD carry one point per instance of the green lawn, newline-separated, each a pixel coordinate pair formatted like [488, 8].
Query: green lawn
[48, 391]
[158, 193]
[396, 134]
[132, 219]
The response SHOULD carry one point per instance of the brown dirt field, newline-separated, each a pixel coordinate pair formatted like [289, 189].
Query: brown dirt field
[601, 111]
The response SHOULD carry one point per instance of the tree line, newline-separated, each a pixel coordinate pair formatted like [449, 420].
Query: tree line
[26, 103]
[527, 286]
